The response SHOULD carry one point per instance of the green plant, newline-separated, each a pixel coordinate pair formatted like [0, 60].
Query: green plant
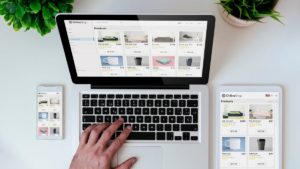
[253, 10]
[35, 14]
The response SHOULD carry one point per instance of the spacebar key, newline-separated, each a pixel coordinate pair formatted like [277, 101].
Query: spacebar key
[141, 136]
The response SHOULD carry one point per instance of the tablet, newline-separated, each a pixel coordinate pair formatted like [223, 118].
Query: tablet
[249, 127]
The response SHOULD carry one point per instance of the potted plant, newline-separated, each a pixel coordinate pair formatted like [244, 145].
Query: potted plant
[244, 13]
[33, 14]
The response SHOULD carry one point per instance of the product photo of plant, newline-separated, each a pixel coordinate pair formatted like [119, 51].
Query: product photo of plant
[33, 14]
[250, 10]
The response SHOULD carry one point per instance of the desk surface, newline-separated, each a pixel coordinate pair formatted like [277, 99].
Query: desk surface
[262, 54]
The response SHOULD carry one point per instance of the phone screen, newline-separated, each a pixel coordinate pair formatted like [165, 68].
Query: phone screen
[249, 130]
[49, 112]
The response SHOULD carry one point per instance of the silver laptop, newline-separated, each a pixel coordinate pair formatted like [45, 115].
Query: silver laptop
[152, 70]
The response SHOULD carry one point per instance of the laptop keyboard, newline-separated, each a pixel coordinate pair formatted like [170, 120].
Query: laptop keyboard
[160, 117]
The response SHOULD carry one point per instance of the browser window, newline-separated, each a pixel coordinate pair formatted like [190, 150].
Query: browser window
[249, 130]
[137, 48]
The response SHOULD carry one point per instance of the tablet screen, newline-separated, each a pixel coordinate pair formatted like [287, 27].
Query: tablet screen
[249, 130]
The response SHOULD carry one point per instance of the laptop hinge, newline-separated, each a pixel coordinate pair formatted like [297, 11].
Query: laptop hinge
[139, 87]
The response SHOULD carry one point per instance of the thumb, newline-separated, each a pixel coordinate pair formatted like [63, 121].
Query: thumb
[127, 164]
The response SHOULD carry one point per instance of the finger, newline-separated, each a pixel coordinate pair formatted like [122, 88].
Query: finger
[118, 142]
[85, 135]
[127, 164]
[107, 134]
[95, 133]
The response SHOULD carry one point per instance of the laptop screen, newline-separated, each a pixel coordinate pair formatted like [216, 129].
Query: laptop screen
[120, 48]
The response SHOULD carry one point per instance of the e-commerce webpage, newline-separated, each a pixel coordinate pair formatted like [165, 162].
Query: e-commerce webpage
[137, 48]
[249, 127]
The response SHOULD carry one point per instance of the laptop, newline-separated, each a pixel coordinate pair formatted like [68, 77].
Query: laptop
[152, 70]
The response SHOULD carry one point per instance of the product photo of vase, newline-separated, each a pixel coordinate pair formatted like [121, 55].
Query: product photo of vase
[138, 61]
[261, 144]
[189, 61]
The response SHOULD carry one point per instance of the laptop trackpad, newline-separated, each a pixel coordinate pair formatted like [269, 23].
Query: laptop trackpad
[148, 157]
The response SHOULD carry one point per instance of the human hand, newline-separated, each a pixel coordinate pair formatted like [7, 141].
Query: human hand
[96, 153]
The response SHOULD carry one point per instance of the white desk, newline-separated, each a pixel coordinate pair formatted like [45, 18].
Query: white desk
[262, 54]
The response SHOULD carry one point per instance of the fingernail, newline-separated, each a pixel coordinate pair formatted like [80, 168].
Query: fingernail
[134, 159]
[121, 119]
[129, 127]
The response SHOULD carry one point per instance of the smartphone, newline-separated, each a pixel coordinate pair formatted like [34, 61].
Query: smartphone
[49, 112]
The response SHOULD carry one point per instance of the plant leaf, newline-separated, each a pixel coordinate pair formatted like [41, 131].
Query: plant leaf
[46, 12]
[53, 6]
[17, 25]
[35, 5]
[20, 12]
[26, 20]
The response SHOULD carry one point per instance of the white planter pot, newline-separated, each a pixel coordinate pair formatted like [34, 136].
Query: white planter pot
[232, 20]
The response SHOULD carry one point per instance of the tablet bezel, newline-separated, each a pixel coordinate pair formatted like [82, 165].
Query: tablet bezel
[248, 88]
[141, 81]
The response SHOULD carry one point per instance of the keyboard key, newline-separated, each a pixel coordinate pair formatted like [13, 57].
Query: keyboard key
[97, 110]
[125, 103]
[176, 127]
[164, 119]
[88, 119]
[145, 111]
[151, 127]
[185, 96]
[153, 111]
[85, 96]
[141, 136]
[135, 96]
[133, 103]
[186, 111]
[142, 103]
[113, 111]
[171, 119]
[180, 119]
[188, 119]
[182, 103]
[174, 103]
[109, 103]
[194, 96]
[101, 103]
[147, 119]
[121, 111]
[140, 119]
[85, 103]
[131, 119]
[110, 96]
[168, 127]
[103, 96]
[170, 111]
[194, 138]
[94, 103]
[168, 96]
[85, 125]
[155, 119]
[186, 136]
[115, 118]
[107, 119]
[152, 96]
[177, 137]
[125, 119]
[178, 111]
[100, 119]
[160, 96]
[135, 127]
[161, 111]
[105, 111]
[192, 103]
[94, 96]
[150, 103]
[118, 103]
[87, 110]
[157, 103]
[127, 96]
[166, 103]
[170, 136]
[194, 113]
[119, 96]
[159, 127]
[189, 127]
[144, 96]
[138, 111]
[160, 136]
[144, 127]
[129, 110]
[177, 96]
